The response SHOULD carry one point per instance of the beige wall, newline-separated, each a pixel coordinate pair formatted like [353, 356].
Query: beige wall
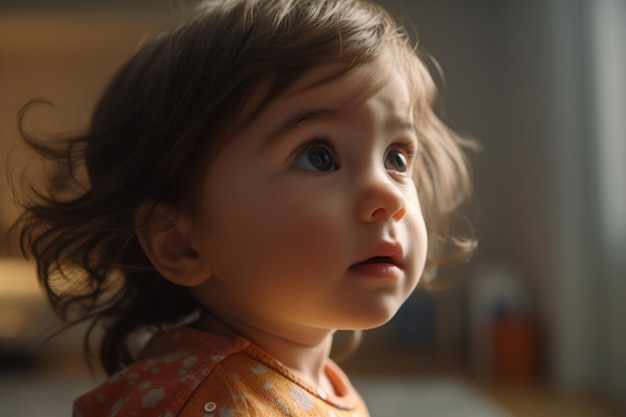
[66, 59]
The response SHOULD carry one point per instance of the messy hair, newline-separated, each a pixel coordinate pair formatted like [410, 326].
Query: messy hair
[166, 112]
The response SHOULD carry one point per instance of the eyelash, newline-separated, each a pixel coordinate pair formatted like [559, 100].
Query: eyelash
[303, 159]
[408, 148]
[317, 142]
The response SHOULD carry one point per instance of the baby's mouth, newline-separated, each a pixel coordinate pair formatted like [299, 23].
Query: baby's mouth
[386, 255]
[378, 260]
[378, 267]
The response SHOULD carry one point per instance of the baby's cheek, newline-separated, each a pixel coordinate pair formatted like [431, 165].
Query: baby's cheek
[314, 239]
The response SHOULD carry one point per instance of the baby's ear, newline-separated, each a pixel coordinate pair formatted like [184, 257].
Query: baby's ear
[166, 237]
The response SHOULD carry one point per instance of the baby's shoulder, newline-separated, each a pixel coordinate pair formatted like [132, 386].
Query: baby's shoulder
[170, 370]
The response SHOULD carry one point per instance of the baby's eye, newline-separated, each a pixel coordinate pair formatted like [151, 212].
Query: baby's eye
[315, 157]
[396, 160]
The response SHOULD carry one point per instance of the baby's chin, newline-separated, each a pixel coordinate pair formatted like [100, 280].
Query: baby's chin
[376, 317]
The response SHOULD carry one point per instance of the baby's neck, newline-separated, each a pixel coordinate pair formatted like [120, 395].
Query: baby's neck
[305, 355]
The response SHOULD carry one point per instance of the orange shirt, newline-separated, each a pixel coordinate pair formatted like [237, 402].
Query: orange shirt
[187, 372]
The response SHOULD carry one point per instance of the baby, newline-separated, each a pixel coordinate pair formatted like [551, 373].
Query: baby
[252, 180]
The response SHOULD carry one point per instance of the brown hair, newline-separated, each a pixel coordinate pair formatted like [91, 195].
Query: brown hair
[165, 113]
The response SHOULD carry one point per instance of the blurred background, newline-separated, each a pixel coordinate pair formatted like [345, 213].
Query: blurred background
[533, 325]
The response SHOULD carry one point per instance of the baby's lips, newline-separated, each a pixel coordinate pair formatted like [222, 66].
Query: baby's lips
[385, 252]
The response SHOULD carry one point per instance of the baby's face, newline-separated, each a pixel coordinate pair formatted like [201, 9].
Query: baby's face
[311, 216]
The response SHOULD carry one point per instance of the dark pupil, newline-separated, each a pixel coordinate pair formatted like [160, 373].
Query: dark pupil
[398, 161]
[320, 159]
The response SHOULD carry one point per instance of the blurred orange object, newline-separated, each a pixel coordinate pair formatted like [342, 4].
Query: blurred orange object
[516, 348]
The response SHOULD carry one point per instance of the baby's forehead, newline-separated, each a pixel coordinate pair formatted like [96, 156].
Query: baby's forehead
[324, 85]
[326, 93]
[333, 82]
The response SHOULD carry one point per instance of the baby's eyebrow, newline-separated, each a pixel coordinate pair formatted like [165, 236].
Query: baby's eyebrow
[404, 124]
[296, 121]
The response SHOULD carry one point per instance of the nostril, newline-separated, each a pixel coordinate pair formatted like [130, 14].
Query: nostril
[398, 215]
[378, 212]
[380, 202]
